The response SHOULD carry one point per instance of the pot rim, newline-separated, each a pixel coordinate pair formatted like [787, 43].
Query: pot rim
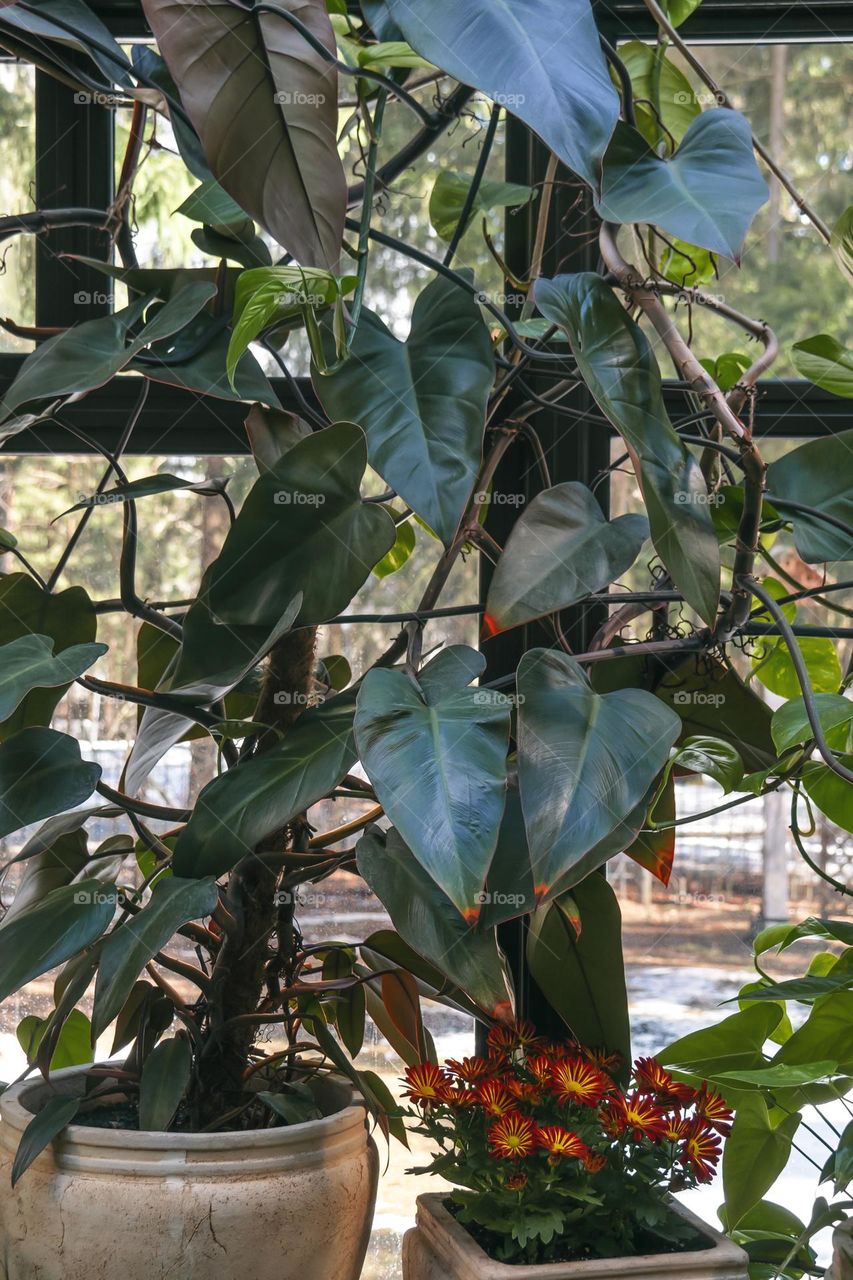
[84, 1147]
[443, 1229]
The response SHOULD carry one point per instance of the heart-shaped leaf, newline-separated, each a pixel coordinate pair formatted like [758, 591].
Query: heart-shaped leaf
[51, 931]
[428, 921]
[586, 762]
[30, 663]
[450, 193]
[560, 550]
[826, 362]
[817, 474]
[619, 368]
[422, 402]
[541, 59]
[435, 751]
[664, 95]
[755, 1153]
[707, 193]
[712, 756]
[236, 810]
[128, 948]
[41, 773]
[306, 511]
[265, 106]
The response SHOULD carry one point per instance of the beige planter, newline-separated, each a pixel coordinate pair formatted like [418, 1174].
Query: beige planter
[292, 1203]
[439, 1248]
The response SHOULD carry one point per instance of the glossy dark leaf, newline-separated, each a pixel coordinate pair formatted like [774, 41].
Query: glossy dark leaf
[817, 474]
[712, 699]
[306, 511]
[707, 193]
[832, 795]
[30, 663]
[826, 362]
[428, 921]
[583, 977]
[655, 849]
[272, 433]
[148, 486]
[205, 371]
[236, 810]
[66, 617]
[54, 866]
[422, 402]
[619, 367]
[435, 751]
[349, 1008]
[128, 948]
[560, 550]
[541, 59]
[715, 757]
[165, 1078]
[586, 763]
[292, 1108]
[51, 931]
[41, 773]
[88, 36]
[265, 105]
[791, 726]
[54, 1116]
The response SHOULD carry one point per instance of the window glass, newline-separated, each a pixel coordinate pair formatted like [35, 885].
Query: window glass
[17, 179]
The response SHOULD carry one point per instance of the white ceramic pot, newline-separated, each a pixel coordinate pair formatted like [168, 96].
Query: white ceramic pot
[439, 1248]
[292, 1203]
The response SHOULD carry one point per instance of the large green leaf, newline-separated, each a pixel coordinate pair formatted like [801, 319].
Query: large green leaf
[89, 354]
[51, 931]
[73, 1047]
[30, 663]
[832, 795]
[541, 59]
[53, 1117]
[712, 699]
[305, 512]
[211, 662]
[583, 977]
[57, 865]
[736, 1043]
[560, 550]
[164, 1082]
[128, 948]
[206, 373]
[146, 487]
[435, 751]
[792, 727]
[826, 362]
[89, 35]
[707, 193]
[818, 475]
[428, 921]
[755, 1153]
[41, 773]
[265, 106]
[66, 617]
[422, 402]
[586, 762]
[236, 810]
[619, 367]
[450, 193]
[657, 81]
[826, 1034]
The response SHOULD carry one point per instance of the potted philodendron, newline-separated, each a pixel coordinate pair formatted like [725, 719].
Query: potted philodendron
[560, 1169]
[230, 1120]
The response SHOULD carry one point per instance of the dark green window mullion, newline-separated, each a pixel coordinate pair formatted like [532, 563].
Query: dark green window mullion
[74, 169]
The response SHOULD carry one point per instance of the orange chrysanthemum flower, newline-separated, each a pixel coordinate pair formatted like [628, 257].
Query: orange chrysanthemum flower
[577, 1081]
[506, 1037]
[517, 1182]
[540, 1067]
[701, 1150]
[471, 1070]
[461, 1098]
[650, 1075]
[512, 1137]
[426, 1083]
[495, 1098]
[523, 1090]
[600, 1058]
[713, 1110]
[594, 1162]
[558, 1141]
[676, 1129]
[639, 1115]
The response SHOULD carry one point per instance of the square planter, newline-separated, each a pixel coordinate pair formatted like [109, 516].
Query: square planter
[440, 1248]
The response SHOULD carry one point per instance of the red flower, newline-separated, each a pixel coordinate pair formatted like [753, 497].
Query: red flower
[594, 1162]
[471, 1069]
[512, 1137]
[713, 1110]
[540, 1067]
[461, 1098]
[637, 1114]
[676, 1129]
[650, 1075]
[523, 1090]
[427, 1083]
[506, 1037]
[701, 1149]
[600, 1058]
[516, 1182]
[558, 1141]
[577, 1081]
[495, 1098]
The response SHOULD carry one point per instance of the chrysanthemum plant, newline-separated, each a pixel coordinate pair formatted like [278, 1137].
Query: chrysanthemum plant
[478, 804]
[556, 1161]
